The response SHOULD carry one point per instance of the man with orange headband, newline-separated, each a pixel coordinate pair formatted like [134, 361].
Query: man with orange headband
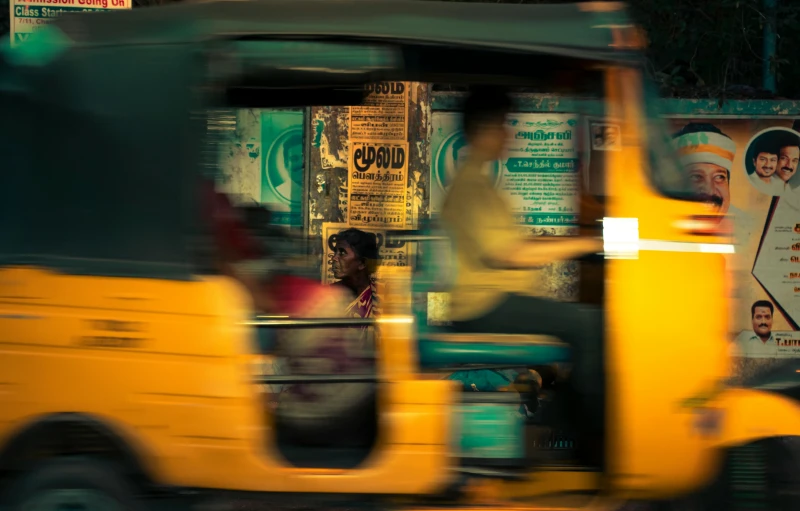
[706, 154]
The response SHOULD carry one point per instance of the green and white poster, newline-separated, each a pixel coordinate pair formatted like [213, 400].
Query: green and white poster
[449, 149]
[539, 174]
[282, 165]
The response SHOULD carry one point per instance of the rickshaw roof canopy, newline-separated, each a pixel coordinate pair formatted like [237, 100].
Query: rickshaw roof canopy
[571, 30]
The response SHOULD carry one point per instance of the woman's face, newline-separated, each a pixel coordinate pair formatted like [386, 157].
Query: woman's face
[345, 262]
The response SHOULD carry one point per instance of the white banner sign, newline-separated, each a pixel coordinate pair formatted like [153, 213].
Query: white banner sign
[28, 16]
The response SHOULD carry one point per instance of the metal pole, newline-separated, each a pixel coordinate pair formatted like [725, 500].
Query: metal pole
[770, 44]
[307, 136]
[311, 323]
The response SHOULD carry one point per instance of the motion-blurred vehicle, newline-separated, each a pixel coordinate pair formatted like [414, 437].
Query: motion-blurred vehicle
[126, 358]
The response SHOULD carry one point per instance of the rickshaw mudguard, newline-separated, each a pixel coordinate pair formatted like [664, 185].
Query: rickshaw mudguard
[750, 415]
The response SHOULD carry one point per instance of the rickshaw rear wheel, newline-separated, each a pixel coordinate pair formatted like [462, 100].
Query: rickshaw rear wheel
[763, 475]
[73, 483]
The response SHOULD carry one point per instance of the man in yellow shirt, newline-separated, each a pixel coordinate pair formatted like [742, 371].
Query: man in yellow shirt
[497, 266]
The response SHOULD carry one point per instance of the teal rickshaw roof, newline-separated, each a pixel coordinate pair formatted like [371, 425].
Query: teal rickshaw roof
[569, 30]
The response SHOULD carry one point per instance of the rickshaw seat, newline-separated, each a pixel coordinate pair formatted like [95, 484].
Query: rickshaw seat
[447, 349]
[440, 347]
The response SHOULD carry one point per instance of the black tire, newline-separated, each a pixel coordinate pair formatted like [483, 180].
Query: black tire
[783, 473]
[76, 483]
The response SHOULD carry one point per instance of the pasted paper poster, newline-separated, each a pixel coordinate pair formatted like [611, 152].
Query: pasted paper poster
[29, 16]
[383, 115]
[749, 169]
[377, 194]
[539, 175]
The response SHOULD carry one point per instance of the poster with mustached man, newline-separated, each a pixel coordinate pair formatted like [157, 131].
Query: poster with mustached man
[748, 170]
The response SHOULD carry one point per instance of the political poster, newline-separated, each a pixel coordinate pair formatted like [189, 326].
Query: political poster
[748, 170]
[383, 116]
[377, 191]
[539, 175]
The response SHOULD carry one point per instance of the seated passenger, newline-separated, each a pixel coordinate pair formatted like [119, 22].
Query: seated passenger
[355, 255]
[332, 414]
[328, 414]
[496, 276]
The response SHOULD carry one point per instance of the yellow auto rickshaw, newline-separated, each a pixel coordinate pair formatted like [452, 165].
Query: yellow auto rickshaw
[127, 374]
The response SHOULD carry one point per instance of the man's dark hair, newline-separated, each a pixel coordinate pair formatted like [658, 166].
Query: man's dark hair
[788, 139]
[364, 245]
[762, 303]
[294, 140]
[765, 145]
[701, 127]
[485, 105]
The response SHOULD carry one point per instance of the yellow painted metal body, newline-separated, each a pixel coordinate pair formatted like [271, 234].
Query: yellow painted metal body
[667, 334]
[182, 391]
[663, 343]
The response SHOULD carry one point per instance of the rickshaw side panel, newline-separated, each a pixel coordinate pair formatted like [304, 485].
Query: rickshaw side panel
[112, 349]
[169, 363]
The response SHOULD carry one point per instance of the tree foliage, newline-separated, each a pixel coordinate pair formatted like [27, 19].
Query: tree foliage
[713, 48]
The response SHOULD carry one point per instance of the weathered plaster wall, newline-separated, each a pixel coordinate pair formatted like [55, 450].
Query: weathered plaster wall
[329, 145]
[241, 157]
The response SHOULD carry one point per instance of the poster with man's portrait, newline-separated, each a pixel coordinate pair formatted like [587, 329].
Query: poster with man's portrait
[745, 169]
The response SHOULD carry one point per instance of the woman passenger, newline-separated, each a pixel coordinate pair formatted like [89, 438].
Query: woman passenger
[355, 258]
[332, 413]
